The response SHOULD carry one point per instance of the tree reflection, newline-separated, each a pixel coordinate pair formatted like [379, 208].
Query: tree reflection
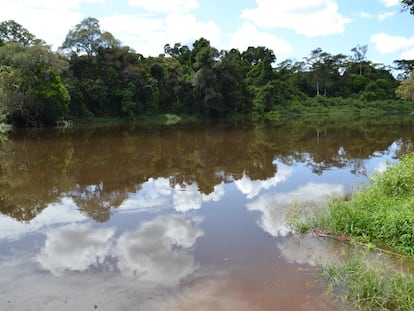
[100, 168]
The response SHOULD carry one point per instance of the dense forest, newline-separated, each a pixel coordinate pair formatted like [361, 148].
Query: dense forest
[92, 75]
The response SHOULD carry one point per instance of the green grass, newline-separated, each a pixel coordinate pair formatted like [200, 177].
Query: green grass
[368, 283]
[380, 213]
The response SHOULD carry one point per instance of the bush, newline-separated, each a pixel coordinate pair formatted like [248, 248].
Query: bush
[382, 211]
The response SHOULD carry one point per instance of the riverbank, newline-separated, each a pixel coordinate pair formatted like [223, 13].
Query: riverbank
[379, 216]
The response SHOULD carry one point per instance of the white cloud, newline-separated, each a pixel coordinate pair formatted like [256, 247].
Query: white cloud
[380, 17]
[48, 20]
[386, 15]
[52, 4]
[252, 188]
[216, 195]
[157, 194]
[62, 212]
[306, 17]
[148, 34]
[274, 207]
[153, 196]
[187, 197]
[157, 251]
[408, 54]
[381, 167]
[248, 35]
[366, 15]
[165, 6]
[75, 248]
[386, 44]
[390, 3]
[185, 27]
[308, 250]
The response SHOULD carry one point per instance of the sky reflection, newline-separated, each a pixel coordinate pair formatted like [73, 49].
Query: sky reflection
[158, 251]
[274, 206]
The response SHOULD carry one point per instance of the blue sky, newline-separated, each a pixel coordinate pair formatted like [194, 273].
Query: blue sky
[291, 28]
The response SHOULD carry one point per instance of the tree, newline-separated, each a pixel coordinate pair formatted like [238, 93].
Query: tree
[87, 37]
[10, 31]
[408, 5]
[318, 69]
[406, 89]
[32, 89]
[359, 56]
[405, 67]
[255, 55]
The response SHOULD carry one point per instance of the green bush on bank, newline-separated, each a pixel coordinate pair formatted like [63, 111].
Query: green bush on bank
[383, 211]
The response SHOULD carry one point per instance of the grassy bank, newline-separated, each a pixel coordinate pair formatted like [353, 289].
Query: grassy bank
[368, 283]
[380, 216]
[382, 212]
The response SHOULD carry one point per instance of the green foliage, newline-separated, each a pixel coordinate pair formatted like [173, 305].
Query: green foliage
[87, 37]
[406, 88]
[382, 211]
[99, 78]
[32, 90]
[10, 31]
[369, 285]
[408, 5]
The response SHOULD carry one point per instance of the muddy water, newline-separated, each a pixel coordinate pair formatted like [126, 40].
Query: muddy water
[175, 218]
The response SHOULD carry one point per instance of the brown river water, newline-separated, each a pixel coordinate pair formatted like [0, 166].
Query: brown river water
[188, 217]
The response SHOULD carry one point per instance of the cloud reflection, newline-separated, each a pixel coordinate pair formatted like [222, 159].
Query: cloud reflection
[251, 188]
[75, 248]
[154, 195]
[187, 197]
[157, 194]
[61, 212]
[274, 207]
[158, 251]
[308, 250]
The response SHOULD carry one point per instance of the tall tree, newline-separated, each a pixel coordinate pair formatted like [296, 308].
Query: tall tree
[87, 37]
[10, 31]
[360, 52]
[408, 5]
[406, 88]
[405, 67]
[318, 69]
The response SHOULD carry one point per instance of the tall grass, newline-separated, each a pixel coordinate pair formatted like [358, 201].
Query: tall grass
[379, 213]
[368, 283]
[382, 211]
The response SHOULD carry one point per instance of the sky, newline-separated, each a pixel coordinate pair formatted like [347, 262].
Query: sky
[291, 28]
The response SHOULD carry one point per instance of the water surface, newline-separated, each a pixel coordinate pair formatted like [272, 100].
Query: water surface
[189, 217]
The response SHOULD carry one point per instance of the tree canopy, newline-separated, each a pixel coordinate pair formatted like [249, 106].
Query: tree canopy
[93, 75]
[408, 5]
[87, 37]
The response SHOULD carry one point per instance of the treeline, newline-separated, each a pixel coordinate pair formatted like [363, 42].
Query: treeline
[93, 75]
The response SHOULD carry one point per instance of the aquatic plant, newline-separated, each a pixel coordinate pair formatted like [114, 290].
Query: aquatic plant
[370, 283]
[381, 212]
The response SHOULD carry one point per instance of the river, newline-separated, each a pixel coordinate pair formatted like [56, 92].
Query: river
[178, 217]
